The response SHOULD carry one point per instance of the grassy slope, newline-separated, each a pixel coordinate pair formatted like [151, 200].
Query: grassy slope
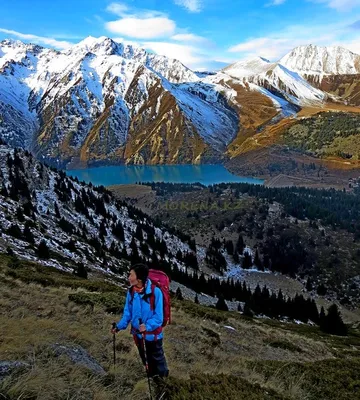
[262, 155]
[258, 359]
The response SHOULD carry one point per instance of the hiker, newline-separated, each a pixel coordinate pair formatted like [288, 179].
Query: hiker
[145, 321]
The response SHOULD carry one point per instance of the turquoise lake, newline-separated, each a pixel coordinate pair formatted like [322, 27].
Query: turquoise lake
[126, 174]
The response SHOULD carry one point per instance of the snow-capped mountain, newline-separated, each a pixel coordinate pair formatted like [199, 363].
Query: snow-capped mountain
[108, 102]
[250, 67]
[313, 60]
[334, 70]
[277, 79]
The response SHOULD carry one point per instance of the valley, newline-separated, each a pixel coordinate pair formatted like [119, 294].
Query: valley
[257, 226]
[224, 213]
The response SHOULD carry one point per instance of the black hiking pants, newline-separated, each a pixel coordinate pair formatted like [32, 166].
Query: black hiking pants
[155, 356]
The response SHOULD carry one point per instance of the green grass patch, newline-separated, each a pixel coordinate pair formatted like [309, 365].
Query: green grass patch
[322, 380]
[30, 272]
[200, 311]
[112, 302]
[217, 387]
[285, 345]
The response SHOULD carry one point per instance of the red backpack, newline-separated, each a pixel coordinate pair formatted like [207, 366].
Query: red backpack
[161, 280]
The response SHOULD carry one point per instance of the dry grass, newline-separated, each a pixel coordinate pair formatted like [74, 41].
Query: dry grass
[34, 317]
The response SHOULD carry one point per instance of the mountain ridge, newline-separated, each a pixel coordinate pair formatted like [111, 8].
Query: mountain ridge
[104, 102]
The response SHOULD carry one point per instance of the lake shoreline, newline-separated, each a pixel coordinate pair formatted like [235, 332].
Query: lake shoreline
[205, 174]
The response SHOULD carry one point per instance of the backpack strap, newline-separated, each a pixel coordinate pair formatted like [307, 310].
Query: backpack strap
[152, 297]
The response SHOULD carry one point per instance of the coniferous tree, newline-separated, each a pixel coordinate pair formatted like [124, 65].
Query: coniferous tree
[247, 310]
[80, 207]
[145, 249]
[257, 261]
[178, 294]
[118, 231]
[192, 245]
[196, 299]
[102, 230]
[28, 235]
[66, 226]
[179, 255]
[321, 290]
[81, 271]
[322, 316]
[29, 209]
[56, 210]
[4, 192]
[332, 323]
[163, 248]
[43, 250]
[70, 245]
[221, 304]
[191, 261]
[10, 251]
[13, 192]
[236, 257]
[309, 285]
[247, 262]
[266, 262]
[20, 214]
[139, 233]
[229, 246]
[15, 231]
[240, 245]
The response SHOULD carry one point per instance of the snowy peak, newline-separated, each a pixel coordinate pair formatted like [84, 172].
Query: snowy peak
[16, 51]
[100, 46]
[253, 66]
[276, 79]
[95, 101]
[298, 76]
[313, 59]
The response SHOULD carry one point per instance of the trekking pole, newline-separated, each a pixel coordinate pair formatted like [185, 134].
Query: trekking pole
[114, 327]
[145, 358]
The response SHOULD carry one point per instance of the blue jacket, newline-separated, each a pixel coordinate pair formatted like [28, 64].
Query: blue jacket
[138, 307]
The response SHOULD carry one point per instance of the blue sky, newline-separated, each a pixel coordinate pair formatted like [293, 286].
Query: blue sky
[203, 34]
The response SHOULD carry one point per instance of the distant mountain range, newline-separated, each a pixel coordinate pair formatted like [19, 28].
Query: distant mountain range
[102, 102]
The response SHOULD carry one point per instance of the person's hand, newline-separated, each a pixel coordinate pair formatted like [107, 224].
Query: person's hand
[142, 328]
[116, 330]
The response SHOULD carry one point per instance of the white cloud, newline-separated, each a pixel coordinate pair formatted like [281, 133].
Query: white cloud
[352, 45]
[139, 23]
[340, 5]
[275, 3]
[191, 38]
[188, 55]
[156, 32]
[277, 44]
[117, 8]
[58, 44]
[142, 28]
[266, 47]
[190, 5]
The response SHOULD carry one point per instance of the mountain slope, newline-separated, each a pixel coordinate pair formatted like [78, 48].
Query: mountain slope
[83, 103]
[276, 78]
[228, 354]
[103, 102]
[78, 223]
[333, 60]
[334, 70]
